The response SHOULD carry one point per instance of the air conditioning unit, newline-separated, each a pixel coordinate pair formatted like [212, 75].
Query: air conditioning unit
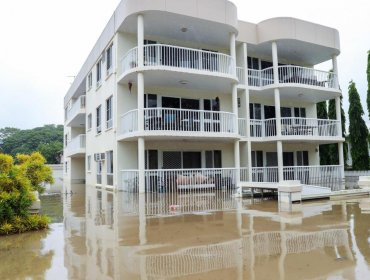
[99, 156]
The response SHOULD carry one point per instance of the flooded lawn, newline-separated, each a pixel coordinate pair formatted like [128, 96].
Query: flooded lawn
[105, 235]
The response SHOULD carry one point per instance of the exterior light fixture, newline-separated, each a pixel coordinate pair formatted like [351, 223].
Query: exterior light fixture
[184, 29]
[129, 86]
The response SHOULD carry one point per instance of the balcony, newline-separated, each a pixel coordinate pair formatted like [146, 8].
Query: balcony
[289, 75]
[327, 176]
[197, 67]
[76, 113]
[180, 122]
[170, 180]
[293, 128]
[76, 147]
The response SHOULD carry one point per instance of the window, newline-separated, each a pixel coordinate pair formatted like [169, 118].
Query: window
[213, 159]
[265, 64]
[99, 167]
[98, 120]
[98, 72]
[253, 63]
[89, 122]
[88, 163]
[66, 167]
[300, 112]
[66, 140]
[109, 59]
[109, 113]
[89, 81]
[109, 168]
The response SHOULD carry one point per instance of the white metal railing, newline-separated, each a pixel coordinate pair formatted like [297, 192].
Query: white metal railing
[290, 74]
[328, 176]
[291, 127]
[244, 174]
[310, 127]
[76, 144]
[169, 180]
[265, 174]
[307, 76]
[240, 73]
[180, 57]
[130, 60]
[168, 119]
[129, 122]
[78, 105]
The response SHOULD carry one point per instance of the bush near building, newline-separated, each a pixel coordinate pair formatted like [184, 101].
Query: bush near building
[18, 181]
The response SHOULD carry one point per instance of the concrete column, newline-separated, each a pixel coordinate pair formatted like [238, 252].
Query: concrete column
[275, 63]
[335, 70]
[140, 40]
[249, 155]
[141, 163]
[235, 105]
[232, 45]
[279, 147]
[237, 161]
[338, 114]
[140, 101]
[277, 111]
[341, 162]
[246, 91]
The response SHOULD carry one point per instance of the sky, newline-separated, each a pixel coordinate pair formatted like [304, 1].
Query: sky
[44, 43]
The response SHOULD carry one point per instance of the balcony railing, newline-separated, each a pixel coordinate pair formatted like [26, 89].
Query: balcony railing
[159, 55]
[328, 176]
[76, 145]
[169, 180]
[76, 107]
[166, 119]
[289, 74]
[291, 127]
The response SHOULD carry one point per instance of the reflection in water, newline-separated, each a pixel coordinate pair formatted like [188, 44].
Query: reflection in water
[207, 236]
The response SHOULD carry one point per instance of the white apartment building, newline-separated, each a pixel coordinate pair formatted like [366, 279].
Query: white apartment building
[179, 95]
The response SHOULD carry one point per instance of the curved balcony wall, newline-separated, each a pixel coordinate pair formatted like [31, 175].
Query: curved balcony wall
[289, 75]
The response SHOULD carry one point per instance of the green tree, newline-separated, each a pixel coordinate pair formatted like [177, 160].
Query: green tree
[368, 82]
[358, 132]
[28, 141]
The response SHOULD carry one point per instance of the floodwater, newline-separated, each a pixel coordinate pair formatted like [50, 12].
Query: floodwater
[100, 234]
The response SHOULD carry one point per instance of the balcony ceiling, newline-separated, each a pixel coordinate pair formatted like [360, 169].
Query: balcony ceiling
[293, 52]
[169, 25]
[185, 80]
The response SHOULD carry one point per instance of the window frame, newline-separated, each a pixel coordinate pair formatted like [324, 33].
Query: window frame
[89, 81]
[98, 120]
[109, 59]
[89, 122]
[109, 112]
[99, 73]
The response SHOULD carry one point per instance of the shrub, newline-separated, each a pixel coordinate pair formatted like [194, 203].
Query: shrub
[17, 181]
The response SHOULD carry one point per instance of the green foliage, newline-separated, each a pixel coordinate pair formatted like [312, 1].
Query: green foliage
[368, 82]
[358, 132]
[322, 110]
[47, 139]
[17, 182]
[34, 168]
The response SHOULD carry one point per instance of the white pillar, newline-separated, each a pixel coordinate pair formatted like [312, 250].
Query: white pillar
[232, 46]
[341, 162]
[237, 161]
[279, 146]
[141, 163]
[249, 155]
[246, 91]
[140, 101]
[335, 70]
[277, 111]
[235, 105]
[140, 40]
[338, 113]
[275, 63]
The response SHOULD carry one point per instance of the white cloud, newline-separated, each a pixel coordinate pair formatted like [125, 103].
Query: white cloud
[43, 42]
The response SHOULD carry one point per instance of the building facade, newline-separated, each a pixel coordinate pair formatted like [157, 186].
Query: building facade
[175, 97]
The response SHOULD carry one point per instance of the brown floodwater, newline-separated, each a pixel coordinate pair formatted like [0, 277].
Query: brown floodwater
[99, 234]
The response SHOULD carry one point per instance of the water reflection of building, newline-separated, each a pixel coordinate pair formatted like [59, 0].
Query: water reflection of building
[74, 233]
[145, 237]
